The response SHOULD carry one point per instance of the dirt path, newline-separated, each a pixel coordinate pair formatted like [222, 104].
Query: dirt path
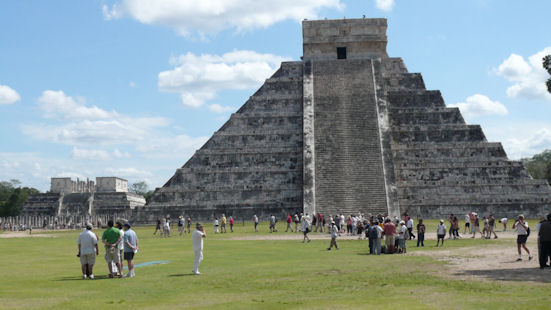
[24, 234]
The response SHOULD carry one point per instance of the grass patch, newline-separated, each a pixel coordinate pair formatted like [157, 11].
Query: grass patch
[269, 274]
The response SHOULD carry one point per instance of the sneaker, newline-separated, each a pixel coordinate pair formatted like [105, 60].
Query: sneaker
[110, 275]
[530, 257]
[84, 277]
[128, 275]
[92, 277]
[519, 259]
[197, 273]
[328, 249]
[495, 237]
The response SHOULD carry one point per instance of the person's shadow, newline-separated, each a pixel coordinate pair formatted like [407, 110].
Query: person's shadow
[181, 275]
[79, 278]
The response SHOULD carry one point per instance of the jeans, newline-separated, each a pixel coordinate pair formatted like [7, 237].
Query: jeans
[420, 239]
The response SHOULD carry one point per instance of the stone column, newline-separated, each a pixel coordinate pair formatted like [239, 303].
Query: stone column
[309, 168]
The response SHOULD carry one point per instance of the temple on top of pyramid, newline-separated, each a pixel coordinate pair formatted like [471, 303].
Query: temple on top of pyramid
[345, 130]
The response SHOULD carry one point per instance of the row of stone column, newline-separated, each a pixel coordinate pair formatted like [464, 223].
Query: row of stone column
[58, 222]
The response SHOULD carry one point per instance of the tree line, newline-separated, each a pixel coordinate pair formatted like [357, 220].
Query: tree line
[13, 197]
[539, 166]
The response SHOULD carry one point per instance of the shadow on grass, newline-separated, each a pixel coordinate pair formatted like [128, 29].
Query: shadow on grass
[181, 275]
[511, 274]
[79, 278]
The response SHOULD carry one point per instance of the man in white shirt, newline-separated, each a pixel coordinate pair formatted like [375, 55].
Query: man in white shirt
[402, 237]
[197, 238]
[522, 236]
[87, 251]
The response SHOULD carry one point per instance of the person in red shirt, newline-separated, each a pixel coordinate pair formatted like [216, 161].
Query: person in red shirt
[231, 223]
[389, 231]
[289, 221]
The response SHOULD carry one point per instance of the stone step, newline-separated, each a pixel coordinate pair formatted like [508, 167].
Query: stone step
[409, 117]
[415, 98]
[443, 133]
[403, 81]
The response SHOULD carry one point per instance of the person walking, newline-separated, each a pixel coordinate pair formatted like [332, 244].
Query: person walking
[376, 234]
[544, 235]
[421, 233]
[409, 225]
[504, 221]
[255, 220]
[289, 221]
[188, 223]
[197, 240]
[157, 227]
[130, 241]
[492, 226]
[402, 238]
[476, 226]
[181, 225]
[522, 236]
[111, 238]
[440, 233]
[334, 234]
[305, 227]
[231, 223]
[223, 224]
[297, 221]
[467, 224]
[87, 251]
[320, 222]
[273, 221]
[118, 225]
[215, 225]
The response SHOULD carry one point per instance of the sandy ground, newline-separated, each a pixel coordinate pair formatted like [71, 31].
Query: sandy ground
[24, 234]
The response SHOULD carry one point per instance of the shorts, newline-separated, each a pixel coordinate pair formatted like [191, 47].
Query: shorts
[389, 241]
[467, 224]
[521, 239]
[89, 259]
[112, 255]
[306, 231]
[402, 243]
[440, 236]
[128, 255]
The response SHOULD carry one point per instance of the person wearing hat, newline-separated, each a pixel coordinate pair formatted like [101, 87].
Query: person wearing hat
[402, 237]
[87, 251]
[440, 233]
[197, 238]
[130, 248]
[181, 225]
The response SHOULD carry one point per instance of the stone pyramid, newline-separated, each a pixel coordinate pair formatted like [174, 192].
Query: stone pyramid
[345, 130]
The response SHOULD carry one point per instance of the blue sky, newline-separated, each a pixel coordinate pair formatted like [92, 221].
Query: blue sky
[132, 87]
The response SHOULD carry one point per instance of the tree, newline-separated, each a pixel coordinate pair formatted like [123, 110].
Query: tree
[139, 188]
[13, 197]
[539, 166]
[547, 66]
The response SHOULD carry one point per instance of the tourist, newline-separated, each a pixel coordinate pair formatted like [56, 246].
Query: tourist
[341, 223]
[158, 227]
[440, 233]
[376, 234]
[181, 225]
[472, 218]
[409, 226]
[421, 233]
[273, 221]
[197, 238]
[223, 224]
[450, 232]
[538, 226]
[504, 221]
[359, 228]
[476, 226]
[231, 223]
[215, 225]
[289, 223]
[130, 241]
[402, 237]
[389, 230]
[118, 225]
[297, 221]
[486, 229]
[544, 235]
[349, 225]
[255, 220]
[314, 221]
[188, 225]
[522, 236]
[455, 225]
[334, 234]
[467, 224]
[492, 226]
[305, 227]
[111, 238]
[166, 227]
[87, 251]
[320, 223]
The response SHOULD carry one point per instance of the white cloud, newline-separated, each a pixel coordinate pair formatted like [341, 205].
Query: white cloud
[8, 95]
[477, 105]
[528, 145]
[528, 77]
[78, 153]
[132, 84]
[199, 78]
[211, 16]
[216, 108]
[119, 154]
[385, 5]
[77, 124]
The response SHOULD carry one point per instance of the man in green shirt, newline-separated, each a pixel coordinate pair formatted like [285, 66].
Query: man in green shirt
[111, 238]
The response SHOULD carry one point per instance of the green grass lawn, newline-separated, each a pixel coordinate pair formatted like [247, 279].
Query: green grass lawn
[266, 274]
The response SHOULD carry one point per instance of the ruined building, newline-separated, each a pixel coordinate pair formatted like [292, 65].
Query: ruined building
[109, 195]
[348, 129]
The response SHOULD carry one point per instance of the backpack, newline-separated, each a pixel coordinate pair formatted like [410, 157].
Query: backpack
[373, 232]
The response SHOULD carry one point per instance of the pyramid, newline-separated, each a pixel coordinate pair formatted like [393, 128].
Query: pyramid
[345, 130]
